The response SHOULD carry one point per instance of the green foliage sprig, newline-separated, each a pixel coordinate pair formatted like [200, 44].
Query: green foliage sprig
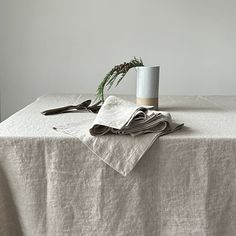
[116, 74]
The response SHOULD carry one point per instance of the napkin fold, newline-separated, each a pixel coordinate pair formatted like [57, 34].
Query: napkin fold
[122, 117]
[122, 132]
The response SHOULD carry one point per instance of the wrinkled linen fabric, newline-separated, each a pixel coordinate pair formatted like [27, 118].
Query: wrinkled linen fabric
[52, 184]
[116, 121]
[122, 117]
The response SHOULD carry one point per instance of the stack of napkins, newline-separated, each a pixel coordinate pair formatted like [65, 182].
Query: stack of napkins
[121, 133]
[122, 117]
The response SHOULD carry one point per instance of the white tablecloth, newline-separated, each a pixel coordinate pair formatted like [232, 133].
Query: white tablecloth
[51, 183]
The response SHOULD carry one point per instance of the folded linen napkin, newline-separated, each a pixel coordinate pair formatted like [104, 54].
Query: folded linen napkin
[121, 152]
[122, 117]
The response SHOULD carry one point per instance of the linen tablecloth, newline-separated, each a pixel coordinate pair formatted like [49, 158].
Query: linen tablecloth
[51, 183]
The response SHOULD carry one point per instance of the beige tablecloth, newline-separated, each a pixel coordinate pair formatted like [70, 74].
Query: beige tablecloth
[52, 184]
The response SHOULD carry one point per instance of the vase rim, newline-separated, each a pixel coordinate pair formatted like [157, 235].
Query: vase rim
[148, 66]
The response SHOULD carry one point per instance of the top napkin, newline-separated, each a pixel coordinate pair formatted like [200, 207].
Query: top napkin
[118, 116]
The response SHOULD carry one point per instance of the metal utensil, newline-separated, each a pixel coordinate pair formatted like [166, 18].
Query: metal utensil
[95, 107]
[82, 106]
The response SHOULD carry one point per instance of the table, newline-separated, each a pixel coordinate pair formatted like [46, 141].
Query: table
[51, 184]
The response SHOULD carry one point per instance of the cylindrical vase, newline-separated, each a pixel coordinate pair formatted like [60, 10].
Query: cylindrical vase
[147, 85]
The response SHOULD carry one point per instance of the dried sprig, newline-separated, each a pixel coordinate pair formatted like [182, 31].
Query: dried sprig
[116, 74]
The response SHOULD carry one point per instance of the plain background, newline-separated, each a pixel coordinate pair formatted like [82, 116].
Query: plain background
[49, 46]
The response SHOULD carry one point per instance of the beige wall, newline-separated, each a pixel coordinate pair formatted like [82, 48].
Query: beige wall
[68, 45]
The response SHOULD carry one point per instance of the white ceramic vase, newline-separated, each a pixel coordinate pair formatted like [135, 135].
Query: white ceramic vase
[147, 85]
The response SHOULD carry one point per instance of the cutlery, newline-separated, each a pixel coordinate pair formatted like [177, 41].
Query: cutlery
[82, 106]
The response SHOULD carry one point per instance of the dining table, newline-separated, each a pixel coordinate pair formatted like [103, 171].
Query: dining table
[52, 184]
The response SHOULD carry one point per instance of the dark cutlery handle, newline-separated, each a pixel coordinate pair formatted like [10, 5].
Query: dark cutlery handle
[95, 107]
[57, 110]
